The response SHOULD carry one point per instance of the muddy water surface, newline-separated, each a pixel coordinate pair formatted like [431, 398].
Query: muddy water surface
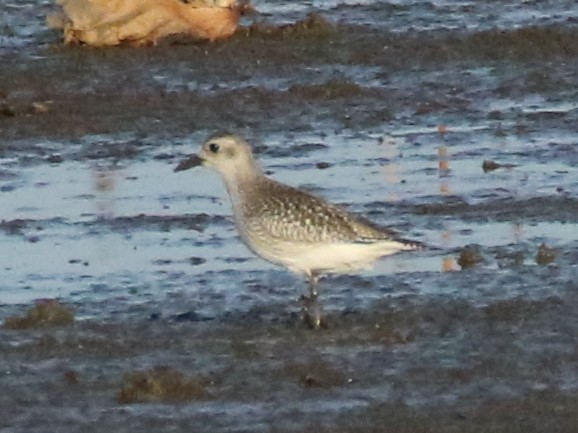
[390, 108]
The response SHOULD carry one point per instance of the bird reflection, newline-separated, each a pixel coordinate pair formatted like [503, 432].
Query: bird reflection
[104, 184]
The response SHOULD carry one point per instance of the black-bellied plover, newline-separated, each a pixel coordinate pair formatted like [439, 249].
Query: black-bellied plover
[290, 227]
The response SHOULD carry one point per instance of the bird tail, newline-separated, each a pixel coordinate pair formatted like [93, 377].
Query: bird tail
[409, 244]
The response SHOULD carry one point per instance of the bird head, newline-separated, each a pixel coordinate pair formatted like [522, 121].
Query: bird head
[229, 154]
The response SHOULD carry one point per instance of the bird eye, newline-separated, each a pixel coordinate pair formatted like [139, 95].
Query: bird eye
[214, 147]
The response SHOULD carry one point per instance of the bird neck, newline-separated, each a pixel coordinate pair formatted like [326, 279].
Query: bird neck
[239, 183]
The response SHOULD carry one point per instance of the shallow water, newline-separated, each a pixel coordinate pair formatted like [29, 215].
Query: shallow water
[83, 224]
[391, 112]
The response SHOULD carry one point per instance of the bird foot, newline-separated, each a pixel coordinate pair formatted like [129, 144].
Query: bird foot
[314, 321]
[308, 299]
[311, 313]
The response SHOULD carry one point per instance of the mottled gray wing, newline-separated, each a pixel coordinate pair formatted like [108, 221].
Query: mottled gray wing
[284, 213]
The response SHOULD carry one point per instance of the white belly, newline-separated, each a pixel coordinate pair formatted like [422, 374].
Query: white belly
[306, 258]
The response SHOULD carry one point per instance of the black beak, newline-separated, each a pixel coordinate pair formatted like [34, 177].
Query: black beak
[190, 162]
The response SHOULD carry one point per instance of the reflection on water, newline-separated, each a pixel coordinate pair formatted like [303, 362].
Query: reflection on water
[391, 168]
[444, 170]
[448, 263]
[104, 180]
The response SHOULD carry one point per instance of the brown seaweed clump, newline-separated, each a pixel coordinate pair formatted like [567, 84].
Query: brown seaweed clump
[546, 255]
[469, 257]
[161, 384]
[45, 314]
[489, 165]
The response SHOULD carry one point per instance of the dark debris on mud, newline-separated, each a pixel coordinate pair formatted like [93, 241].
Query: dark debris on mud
[160, 384]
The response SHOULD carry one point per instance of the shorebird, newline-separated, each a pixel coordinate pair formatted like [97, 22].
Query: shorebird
[290, 227]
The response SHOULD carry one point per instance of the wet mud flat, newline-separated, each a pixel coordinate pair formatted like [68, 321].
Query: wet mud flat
[415, 363]
[177, 328]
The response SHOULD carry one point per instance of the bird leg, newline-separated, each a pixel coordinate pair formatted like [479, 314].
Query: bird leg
[313, 280]
[313, 293]
[311, 314]
[311, 308]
